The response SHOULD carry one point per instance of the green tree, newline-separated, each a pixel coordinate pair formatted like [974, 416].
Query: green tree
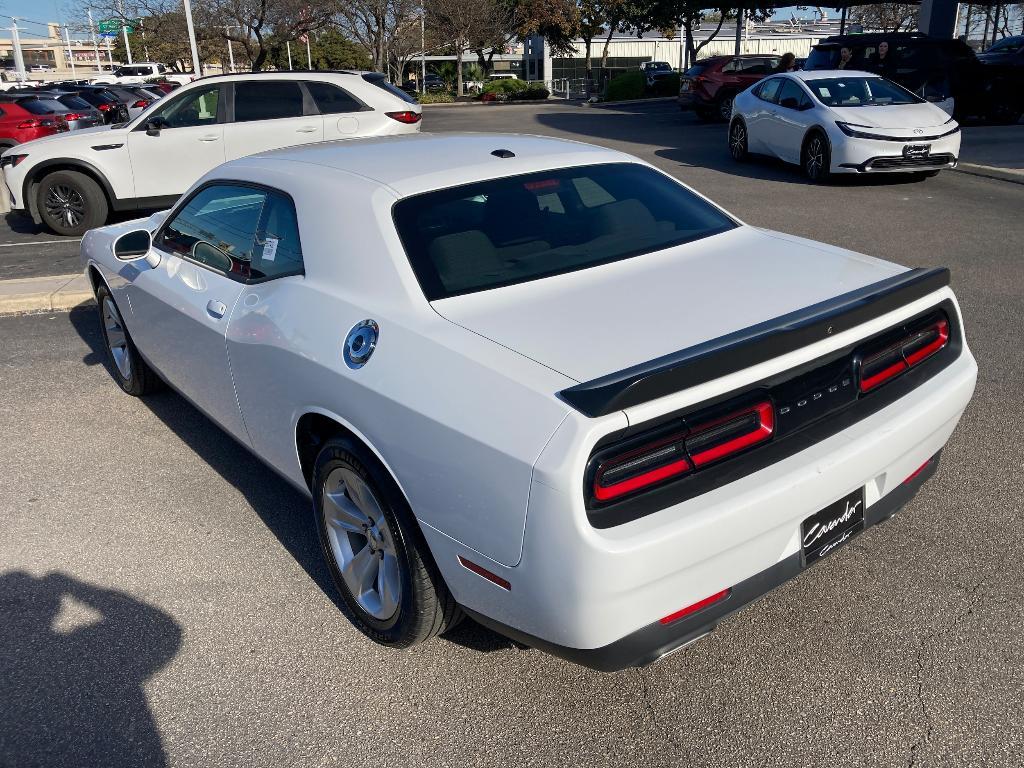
[329, 48]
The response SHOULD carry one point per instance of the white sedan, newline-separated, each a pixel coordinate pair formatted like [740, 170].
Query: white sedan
[537, 382]
[837, 121]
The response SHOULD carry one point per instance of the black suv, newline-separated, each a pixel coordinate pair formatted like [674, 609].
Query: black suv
[933, 69]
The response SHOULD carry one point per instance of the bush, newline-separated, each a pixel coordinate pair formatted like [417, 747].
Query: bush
[505, 87]
[666, 86]
[629, 85]
[513, 90]
[435, 97]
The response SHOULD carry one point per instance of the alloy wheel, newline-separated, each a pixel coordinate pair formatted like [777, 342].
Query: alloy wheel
[814, 161]
[65, 204]
[725, 108]
[738, 141]
[362, 543]
[117, 340]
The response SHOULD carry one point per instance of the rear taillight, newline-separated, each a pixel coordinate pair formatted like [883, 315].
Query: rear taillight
[140, 104]
[701, 442]
[878, 367]
[104, 107]
[30, 124]
[408, 117]
[73, 116]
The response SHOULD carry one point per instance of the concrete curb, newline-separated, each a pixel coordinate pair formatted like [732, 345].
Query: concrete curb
[652, 100]
[44, 294]
[1011, 175]
[516, 103]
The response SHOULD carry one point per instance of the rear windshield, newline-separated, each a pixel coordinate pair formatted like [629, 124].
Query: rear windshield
[514, 230]
[74, 102]
[41, 106]
[822, 57]
[860, 92]
[381, 82]
[695, 70]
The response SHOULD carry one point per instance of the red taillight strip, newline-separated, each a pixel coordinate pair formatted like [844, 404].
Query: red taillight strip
[682, 612]
[942, 329]
[906, 361]
[765, 428]
[606, 493]
[479, 570]
[917, 471]
[409, 117]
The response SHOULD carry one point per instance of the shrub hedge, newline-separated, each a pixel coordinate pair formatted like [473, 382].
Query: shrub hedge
[628, 85]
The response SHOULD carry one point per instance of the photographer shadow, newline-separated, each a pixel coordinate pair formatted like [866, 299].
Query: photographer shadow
[73, 690]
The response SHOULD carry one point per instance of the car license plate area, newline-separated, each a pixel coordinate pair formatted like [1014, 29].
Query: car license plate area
[826, 530]
[917, 150]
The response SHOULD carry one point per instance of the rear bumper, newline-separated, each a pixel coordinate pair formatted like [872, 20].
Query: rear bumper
[658, 640]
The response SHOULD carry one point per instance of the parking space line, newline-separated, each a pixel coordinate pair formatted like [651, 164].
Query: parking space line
[39, 242]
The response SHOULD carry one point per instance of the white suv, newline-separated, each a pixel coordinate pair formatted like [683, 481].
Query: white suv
[140, 72]
[71, 182]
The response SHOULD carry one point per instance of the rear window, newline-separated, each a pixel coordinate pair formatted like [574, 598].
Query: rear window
[822, 58]
[514, 230]
[330, 99]
[74, 102]
[696, 69]
[41, 106]
[377, 79]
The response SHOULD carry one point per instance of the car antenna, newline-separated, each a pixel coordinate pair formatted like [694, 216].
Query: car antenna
[503, 153]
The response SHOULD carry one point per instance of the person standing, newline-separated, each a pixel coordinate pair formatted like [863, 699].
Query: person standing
[786, 64]
[882, 63]
[845, 58]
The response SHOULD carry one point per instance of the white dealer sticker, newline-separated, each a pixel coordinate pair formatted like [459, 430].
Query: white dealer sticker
[270, 249]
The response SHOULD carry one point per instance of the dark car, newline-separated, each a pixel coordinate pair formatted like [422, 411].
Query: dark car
[24, 119]
[1008, 51]
[98, 96]
[708, 87]
[934, 69]
[655, 71]
[75, 111]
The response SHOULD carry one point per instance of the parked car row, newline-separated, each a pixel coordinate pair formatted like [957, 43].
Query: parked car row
[154, 151]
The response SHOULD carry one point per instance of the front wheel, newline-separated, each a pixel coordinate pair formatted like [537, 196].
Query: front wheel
[816, 159]
[126, 365]
[380, 563]
[738, 141]
[725, 107]
[71, 203]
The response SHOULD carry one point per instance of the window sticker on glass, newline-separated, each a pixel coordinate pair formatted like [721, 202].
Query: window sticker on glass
[270, 249]
[825, 93]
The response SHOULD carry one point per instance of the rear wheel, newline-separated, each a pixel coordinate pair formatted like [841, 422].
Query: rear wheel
[380, 563]
[70, 203]
[738, 140]
[816, 158]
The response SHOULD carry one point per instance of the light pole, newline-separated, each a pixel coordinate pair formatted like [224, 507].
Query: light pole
[192, 37]
[19, 60]
[71, 56]
[124, 31]
[423, 50]
[288, 45]
[95, 47]
[231, 53]
[309, 56]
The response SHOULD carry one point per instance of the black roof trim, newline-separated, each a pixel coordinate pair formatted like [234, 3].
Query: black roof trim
[750, 346]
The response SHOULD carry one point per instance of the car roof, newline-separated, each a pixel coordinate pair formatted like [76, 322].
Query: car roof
[818, 74]
[415, 163]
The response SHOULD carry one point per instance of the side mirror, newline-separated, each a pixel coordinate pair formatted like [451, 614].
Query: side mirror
[134, 245]
[153, 127]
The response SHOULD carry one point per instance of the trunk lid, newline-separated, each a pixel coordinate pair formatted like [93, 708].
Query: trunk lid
[604, 319]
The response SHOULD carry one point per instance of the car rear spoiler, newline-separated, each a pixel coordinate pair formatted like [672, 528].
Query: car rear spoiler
[750, 346]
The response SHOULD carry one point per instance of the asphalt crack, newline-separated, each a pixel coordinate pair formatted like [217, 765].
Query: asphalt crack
[974, 598]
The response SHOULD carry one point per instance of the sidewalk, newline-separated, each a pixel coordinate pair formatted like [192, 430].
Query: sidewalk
[44, 294]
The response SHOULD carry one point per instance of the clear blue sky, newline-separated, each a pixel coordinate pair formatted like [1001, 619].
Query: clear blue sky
[36, 10]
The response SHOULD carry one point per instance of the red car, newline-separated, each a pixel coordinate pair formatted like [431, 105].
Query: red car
[26, 120]
[709, 85]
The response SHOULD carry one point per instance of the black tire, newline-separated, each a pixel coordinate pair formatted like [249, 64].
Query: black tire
[71, 203]
[723, 107]
[738, 140]
[425, 606]
[129, 370]
[816, 157]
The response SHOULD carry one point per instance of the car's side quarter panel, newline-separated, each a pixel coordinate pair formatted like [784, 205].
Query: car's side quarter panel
[458, 419]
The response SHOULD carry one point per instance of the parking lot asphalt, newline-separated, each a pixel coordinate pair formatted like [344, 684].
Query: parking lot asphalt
[162, 599]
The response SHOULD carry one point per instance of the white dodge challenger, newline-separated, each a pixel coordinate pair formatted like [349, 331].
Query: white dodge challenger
[537, 382]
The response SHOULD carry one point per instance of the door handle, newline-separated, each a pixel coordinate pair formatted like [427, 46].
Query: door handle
[216, 308]
[209, 138]
[306, 129]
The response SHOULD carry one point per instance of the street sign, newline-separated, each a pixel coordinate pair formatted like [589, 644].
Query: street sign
[113, 27]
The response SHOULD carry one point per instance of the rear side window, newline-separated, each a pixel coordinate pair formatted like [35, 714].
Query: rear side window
[514, 230]
[330, 99]
[377, 79]
[74, 102]
[769, 90]
[267, 100]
